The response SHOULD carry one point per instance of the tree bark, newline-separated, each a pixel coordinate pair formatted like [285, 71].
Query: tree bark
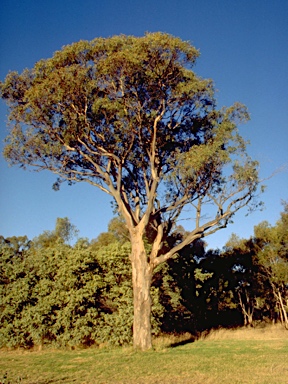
[247, 312]
[141, 278]
[284, 318]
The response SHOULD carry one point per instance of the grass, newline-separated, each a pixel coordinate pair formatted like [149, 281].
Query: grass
[239, 356]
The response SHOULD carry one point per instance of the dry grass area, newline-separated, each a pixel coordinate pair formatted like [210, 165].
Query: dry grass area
[243, 356]
[268, 332]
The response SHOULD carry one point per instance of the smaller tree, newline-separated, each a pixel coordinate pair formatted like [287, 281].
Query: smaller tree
[243, 277]
[64, 232]
[271, 248]
[260, 270]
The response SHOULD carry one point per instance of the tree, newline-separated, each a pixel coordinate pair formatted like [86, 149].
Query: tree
[271, 248]
[249, 286]
[129, 116]
[117, 233]
[260, 271]
[64, 232]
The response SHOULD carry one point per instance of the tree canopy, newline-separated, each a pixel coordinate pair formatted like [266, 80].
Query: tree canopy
[128, 114]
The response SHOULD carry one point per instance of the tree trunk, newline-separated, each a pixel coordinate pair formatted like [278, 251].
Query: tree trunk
[250, 318]
[246, 310]
[282, 310]
[141, 278]
[284, 318]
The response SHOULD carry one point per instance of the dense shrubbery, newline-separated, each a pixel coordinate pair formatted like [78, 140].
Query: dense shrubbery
[55, 293]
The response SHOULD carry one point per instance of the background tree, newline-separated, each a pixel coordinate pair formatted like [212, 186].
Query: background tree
[129, 116]
[117, 233]
[249, 287]
[271, 249]
[64, 232]
[257, 271]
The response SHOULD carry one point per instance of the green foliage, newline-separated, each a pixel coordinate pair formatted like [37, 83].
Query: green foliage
[64, 232]
[115, 324]
[53, 297]
[272, 247]
[53, 293]
[128, 115]
[260, 271]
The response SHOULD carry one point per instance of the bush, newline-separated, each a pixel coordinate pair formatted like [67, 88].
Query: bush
[67, 296]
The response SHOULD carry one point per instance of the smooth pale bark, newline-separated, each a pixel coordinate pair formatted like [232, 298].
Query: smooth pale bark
[246, 310]
[283, 313]
[141, 277]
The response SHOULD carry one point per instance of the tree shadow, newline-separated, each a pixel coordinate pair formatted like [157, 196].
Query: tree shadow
[183, 342]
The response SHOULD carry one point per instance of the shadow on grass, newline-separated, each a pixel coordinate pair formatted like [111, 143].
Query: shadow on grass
[203, 335]
[183, 342]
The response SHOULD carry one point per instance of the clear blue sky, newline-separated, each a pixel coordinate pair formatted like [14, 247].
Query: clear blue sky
[244, 49]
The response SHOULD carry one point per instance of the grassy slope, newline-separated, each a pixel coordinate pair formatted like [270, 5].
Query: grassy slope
[243, 356]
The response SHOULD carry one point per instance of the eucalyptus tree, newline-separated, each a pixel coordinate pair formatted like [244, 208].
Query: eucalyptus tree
[129, 116]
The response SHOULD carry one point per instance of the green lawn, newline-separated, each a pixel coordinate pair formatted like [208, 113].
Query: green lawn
[211, 360]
